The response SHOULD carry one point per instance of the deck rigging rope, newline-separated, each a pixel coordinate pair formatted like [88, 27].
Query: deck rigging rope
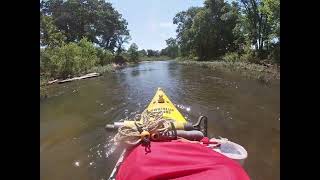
[152, 122]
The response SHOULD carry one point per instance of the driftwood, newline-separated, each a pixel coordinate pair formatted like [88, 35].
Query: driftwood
[54, 81]
[90, 75]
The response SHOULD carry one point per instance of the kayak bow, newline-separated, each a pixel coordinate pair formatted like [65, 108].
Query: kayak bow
[161, 102]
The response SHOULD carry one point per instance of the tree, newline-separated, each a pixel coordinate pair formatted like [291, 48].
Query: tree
[271, 8]
[150, 52]
[49, 34]
[142, 52]
[260, 23]
[220, 27]
[95, 19]
[120, 41]
[164, 52]
[172, 48]
[184, 20]
[206, 32]
[240, 36]
[157, 53]
[70, 59]
[133, 52]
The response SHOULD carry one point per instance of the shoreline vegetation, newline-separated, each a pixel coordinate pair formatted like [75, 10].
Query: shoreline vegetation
[108, 68]
[155, 58]
[77, 38]
[114, 63]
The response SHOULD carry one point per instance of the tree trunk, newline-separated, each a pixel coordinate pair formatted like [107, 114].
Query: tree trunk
[260, 32]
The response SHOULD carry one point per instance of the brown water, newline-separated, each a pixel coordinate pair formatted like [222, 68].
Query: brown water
[75, 145]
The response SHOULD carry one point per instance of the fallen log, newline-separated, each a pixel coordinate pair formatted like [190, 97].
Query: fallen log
[52, 82]
[90, 75]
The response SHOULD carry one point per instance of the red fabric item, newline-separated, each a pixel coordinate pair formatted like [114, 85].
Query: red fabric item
[179, 160]
[206, 140]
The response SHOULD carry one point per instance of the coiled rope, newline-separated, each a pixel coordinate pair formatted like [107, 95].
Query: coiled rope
[152, 122]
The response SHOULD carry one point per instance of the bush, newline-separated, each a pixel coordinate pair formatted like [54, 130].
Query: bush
[70, 59]
[231, 57]
[43, 87]
[248, 56]
[192, 57]
[42, 65]
[120, 59]
[275, 54]
[105, 56]
[133, 54]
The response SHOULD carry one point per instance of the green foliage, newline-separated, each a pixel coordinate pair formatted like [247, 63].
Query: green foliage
[261, 23]
[43, 87]
[122, 40]
[206, 32]
[142, 53]
[103, 69]
[105, 56]
[133, 52]
[231, 57]
[271, 8]
[220, 27]
[151, 52]
[275, 53]
[184, 20]
[50, 35]
[154, 58]
[95, 19]
[42, 63]
[70, 59]
[248, 57]
[172, 49]
[79, 36]
[121, 59]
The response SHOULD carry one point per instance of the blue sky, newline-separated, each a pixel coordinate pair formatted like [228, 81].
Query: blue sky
[150, 21]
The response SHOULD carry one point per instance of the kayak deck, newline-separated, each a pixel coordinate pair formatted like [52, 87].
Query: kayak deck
[161, 102]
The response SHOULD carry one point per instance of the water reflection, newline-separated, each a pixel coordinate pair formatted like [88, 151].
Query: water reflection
[74, 144]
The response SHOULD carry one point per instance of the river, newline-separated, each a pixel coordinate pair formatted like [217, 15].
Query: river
[75, 145]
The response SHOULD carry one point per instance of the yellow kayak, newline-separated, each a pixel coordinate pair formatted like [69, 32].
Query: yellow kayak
[161, 102]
